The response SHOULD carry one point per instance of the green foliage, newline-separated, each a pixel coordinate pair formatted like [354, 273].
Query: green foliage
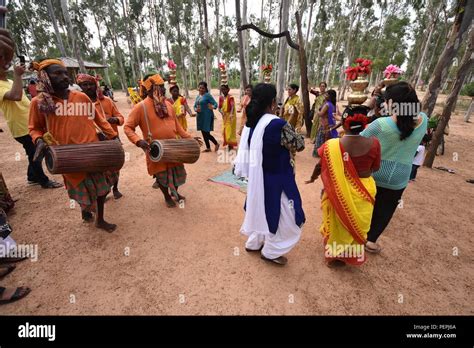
[468, 89]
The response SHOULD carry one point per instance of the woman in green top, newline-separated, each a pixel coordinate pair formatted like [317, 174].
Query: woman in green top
[399, 136]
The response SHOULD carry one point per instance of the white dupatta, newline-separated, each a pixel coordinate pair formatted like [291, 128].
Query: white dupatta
[248, 164]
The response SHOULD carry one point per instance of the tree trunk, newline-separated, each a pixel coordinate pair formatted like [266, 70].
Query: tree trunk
[467, 63]
[268, 28]
[129, 42]
[288, 65]
[243, 69]
[309, 21]
[181, 56]
[117, 54]
[218, 46]
[433, 23]
[246, 36]
[72, 34]
[467, 116]
[260, 62]
[283, 47]
[59, 40]
[165, 28]
[102, 53]
[459, 30]
[348, 55]
[207, 45]
[304, 76]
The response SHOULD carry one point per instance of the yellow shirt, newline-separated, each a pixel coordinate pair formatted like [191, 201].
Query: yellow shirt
[16, 112]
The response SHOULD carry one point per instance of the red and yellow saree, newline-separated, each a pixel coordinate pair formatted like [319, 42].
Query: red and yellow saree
[347, 205]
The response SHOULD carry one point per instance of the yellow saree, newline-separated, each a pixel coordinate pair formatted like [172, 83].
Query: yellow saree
[229, 113]
[178, 107]
[347, 205]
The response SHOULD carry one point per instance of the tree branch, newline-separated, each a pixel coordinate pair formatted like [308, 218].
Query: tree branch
[285, 33]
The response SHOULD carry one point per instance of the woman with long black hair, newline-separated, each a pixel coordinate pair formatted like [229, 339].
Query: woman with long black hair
[273, 208]
[204, 106]
[399, 136]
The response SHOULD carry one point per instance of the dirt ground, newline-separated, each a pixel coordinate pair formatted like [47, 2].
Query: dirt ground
[192, 260]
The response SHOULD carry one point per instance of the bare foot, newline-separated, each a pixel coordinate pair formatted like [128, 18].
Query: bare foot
[170, 203]
[104, 225]
[117, 194]
[216, 147]
[181, 197]
[87, 216]
[206, 150]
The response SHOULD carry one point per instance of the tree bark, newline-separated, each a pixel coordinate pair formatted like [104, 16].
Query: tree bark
[181, 56]
[467, 116]
[71, 33]
[102, 53]
[260, 62]
[283, 48]
[59, 40]
[245, 37]
[117, 53]
[129, 42]
[304, 76]
[433, 23]
[207, 45]
[165, 28]
[268, 28]
[459, 30]
[243, 69]
[467, 63]
[218, 46]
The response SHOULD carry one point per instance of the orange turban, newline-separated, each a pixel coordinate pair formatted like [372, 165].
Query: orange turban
[86, 77]
[45, 63]
[153, 80]
[80, 78]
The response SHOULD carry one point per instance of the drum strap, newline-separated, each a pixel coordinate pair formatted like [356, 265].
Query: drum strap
[150, 137]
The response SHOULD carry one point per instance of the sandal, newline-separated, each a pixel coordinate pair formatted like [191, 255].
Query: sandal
[8, 295]
[51, 184]
[252, 250]
[373, 248]
[4, 271]
[281, 261]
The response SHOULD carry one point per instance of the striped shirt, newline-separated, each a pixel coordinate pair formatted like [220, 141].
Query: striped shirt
[397, 155]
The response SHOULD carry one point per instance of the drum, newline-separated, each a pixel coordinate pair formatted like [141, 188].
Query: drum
[94, 157]
[175, 150]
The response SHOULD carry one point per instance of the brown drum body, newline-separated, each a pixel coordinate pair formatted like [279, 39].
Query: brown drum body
[94, 157]
[175, 150]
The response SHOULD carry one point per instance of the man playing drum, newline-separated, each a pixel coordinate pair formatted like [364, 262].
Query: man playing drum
[61, 116]
[104, 106]
[157, 120]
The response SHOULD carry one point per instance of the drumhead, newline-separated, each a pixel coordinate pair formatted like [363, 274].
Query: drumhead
[156, 151]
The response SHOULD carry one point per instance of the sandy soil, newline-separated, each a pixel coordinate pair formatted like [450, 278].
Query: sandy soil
[192, 260]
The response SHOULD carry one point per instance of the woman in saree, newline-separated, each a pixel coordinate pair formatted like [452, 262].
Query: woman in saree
[180, 106]
[243, 104]
[326, 121]
[346, 167]
[318, 103]
[229, 117]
